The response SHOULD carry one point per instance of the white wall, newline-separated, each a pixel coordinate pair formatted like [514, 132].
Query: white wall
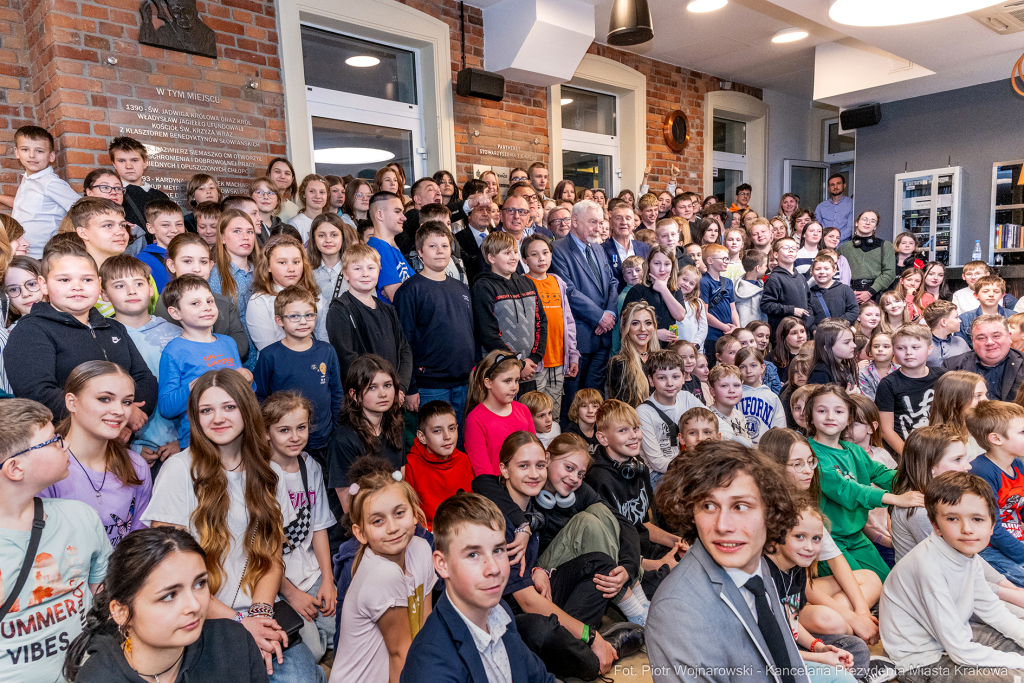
[794, 132]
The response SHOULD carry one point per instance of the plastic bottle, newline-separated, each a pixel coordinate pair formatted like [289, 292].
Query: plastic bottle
[976, 254]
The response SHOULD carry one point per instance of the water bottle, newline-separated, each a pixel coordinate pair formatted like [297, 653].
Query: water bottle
[976, 254]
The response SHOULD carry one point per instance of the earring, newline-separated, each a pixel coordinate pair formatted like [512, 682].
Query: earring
[123, 630]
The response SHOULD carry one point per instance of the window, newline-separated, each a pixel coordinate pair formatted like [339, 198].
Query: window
[729, 157]
[589, 112]
[837, 142]
[729, 136]
[590, 143]
[358, 66]
[347, 148]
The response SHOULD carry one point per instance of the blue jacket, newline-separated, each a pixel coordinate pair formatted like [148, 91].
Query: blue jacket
[641, 249]
[153, 255]
[444, 652]
[591, 298]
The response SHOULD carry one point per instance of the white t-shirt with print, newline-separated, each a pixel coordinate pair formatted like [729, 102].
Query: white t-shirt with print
[656, 447]
[300, 565]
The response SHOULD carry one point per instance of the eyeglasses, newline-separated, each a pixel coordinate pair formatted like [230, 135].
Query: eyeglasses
[109, 189]
[361, 195]
[560, 222]
[296, 317]
[29, 285]
[518, 212]
[788, 248]
[58, 439]
[265, 193]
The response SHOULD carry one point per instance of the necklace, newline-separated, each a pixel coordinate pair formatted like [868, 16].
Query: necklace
[156, 677]
[88, 477]
[238, 465]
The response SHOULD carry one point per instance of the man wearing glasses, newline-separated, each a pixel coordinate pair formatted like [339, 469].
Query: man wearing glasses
[515, 217]
[469, 239]
[559, 222]
[525, 191]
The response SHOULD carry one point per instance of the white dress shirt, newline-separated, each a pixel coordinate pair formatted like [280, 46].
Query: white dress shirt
[489, 643]
[740, 578]
[42, 201]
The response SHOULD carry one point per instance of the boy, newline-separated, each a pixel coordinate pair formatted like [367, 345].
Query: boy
[726, 349]
[441, 214]
[725, 385]
[127, 289]
[717, 294]
[964, 298]
[441, 361]
[207, 216]
[304, 365]
[360, 323]
[385, 210]
[904, 396]
[1016, 322]
[561, 357]
[541, 409]
[944, 322]
[469, 554]
[435, 467]
[648, 205]
[98, 221]
[997, 426]
[696, 425]
[247, 205]
[55, 586]
[750, 287]
[988, 292]
[667, 235]
[42, 199]
[130, 160]
[59, 335]
[785, 290]
[507, 311]
[829, 297]
[648, 237]
[930, 597]
[197, 351]
[164, 221]
[659, 415]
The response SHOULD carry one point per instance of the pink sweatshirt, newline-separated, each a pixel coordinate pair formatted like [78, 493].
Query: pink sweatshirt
[486, 432]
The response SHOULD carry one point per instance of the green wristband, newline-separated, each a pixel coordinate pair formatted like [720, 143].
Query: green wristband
[585, 637]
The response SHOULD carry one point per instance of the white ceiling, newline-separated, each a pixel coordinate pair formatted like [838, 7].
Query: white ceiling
[734, 43]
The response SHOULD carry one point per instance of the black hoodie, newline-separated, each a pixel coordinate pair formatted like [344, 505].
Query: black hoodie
[47, 344]
[508, 315]
[783, 292]
[840, 301]
[630, 498]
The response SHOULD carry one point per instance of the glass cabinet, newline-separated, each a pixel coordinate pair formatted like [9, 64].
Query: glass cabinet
[928, 205]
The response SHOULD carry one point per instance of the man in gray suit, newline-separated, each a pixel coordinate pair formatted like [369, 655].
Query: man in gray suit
[717, 617]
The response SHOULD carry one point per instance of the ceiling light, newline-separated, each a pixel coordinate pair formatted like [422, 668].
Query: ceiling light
[351, 155]
[706, 5]
[898, 12]
[789, 35]
[630, 23]
[362, 61]
[566, 100]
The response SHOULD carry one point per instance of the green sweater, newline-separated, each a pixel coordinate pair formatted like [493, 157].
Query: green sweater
[847, 494]
[878, 264]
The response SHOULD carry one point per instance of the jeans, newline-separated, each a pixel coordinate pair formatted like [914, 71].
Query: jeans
[298, 667]
[318, 633]
[455, 397]
[947, 671]
[823, 673]
[855, 646]
[592, 375]
[551, 381]
[1004, 565]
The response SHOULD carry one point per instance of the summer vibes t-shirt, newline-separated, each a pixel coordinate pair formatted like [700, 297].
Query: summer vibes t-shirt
[48, 615]
[551, 299]
[300, 565]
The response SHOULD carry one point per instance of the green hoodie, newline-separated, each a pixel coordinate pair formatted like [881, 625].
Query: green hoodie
[847, 494]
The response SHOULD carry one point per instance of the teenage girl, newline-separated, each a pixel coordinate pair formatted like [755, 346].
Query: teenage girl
[335, 194]
[693, 327]
[760, 405]
[583, 417]
[894, 312]
[281, 171]
[869, 319]
[392, 579]
[21, 284]
[801, 218]
[835, 356]
[627, 379]
[762, 332]
[330, 237]
[235, 253]
[880, 365]
[357, 202]
[905, 245]
[780, 227]
[659, 288]
[789, 337]
[809, 246]
[935, 280]
[708, 231]
[283, 264]
[735, 242]
[492, 412]
[103, 473]
[313, 194]
[268, 202]
[491, 178]
[956, 393]
[909, 287]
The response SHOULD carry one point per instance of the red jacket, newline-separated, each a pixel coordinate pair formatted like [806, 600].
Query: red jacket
[436, 479]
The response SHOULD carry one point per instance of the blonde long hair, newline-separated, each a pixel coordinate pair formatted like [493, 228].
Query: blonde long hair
[369, 486]
[262, 281]
[635, 387]
[693, 298]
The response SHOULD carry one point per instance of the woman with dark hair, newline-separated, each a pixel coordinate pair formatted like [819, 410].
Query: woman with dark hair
[565, 190]
[150, 620]
[935, 280]
[709, 231]
[872, 259]
[281, 171]
[450, 195]
[357, 202]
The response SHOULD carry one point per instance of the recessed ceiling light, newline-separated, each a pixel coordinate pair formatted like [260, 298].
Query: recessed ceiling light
[788, 35]
[566, 100]
[898, 12]
[706, 5]
[362, 61]
[351, 155]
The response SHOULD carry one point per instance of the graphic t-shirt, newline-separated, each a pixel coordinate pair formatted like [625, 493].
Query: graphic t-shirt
[661, 442]
[393, 266]
[300, 565]
[1008, 535]
[693, 386]
[761, 410]
[551, 299]
[909, 399]
[791, 586]
[48, 615]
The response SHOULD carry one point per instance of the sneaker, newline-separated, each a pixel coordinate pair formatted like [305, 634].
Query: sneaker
[880, 670]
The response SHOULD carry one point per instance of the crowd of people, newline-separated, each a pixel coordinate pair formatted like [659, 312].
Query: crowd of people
[419, 431]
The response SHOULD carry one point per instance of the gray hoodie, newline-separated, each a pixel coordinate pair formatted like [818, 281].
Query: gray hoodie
[748, 301]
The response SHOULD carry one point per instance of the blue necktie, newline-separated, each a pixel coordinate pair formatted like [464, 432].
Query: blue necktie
[592, 262]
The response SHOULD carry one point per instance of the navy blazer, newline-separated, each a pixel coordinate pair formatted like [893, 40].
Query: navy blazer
[641, 249]
[444, 652]
[591, 297]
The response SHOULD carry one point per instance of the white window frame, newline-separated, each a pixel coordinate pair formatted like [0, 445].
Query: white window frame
[595, 143]
[787, 179]
[840, 157]
[730, 161]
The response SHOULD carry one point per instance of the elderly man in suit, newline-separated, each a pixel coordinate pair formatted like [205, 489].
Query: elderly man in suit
[478, 225]
[577, 259]
[621, 243]
[717, 617]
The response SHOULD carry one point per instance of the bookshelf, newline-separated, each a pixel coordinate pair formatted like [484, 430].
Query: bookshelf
[1006, 243]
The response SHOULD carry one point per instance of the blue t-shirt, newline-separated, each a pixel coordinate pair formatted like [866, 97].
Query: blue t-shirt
[183, 361]
[393, 266]
[314, 373]
[719, 297]
[1008, 535]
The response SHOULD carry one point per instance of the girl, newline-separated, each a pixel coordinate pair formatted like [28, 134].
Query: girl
[847, 476]
[895, 313]
[799, 368]
[306, 519]
[956, 393]
[761, 407]
[331, 236]
[688, 352]
[15, 235]
[492, 413]
[789, 337]
[99, 398]
[491, 178]
[632, 275]
[830, 240]
[282, 173]
[762, 340]
[909, 287]
[735, 242]
[809, 246]
[659, 289]
[905, 245]
[268, 202]
[693, 250]
[935, 280]
[626, 196]
[583, 417]
[565, 190]
[788, 206]
[223, 491]
[708, 231]
[879, 366]
[335, 194]
[869, 319]
[283, 264]
[392, 579]
[701, 371]
[201, 188]
[137, 625]
[400, 172]
[370, 423]
[313, 193]
[780, 228]
[601, 198]
[749, 216]
[588, 194]
[357, 202]
[865, 433]
[627, 379]
[847, 593]
[835, 356]
[21, 283]
[387, 180]
[450, 195]
[801, 217]
[235, 259]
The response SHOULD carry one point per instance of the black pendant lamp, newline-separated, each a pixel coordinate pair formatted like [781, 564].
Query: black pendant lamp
[630, 23]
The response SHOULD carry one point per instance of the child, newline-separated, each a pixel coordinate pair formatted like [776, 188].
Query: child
[879, 366]
[798, 402]
[130, 161]
[64, 332]
[726, 390]
[659, 415]
[750, 287]
[785, 291]
[666, 235]
[283, 264]
[693, 326]
[701, 371]
[761, 407]
[42, 198]
[201, 188]
[726, 349]
[763, 340]
[198, 350]
[288, 418]
[207, 216]
[829, 298]
[964, 299]
[905, 246]
[928, 602]
[632, 274]
[435, 468]
[957, 393]
[22, 285]
[695, 252]
[864, 432]
[583, 417]
[904, 396]
[492, 413]
[389, 598]
[895, 314]
[329, 238]
[717, 294]
[847, 478]
[735, 241]
[1016, 324]
[235, 259]
[691, 384]
[868, 319]
[989, 291]
[942, 319]
[267, 197]
[810, 243]
[909, 287]
[648, 237]
[98, 221]
[835, 356]
[541, 408]
[659, 287]
[696, 425]
[69, 557]
[312, 195]
[164, 220]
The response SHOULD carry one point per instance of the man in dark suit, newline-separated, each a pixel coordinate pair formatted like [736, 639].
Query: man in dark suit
[478, 225]
[621, 243]
[1001, 366]
[576, 259]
